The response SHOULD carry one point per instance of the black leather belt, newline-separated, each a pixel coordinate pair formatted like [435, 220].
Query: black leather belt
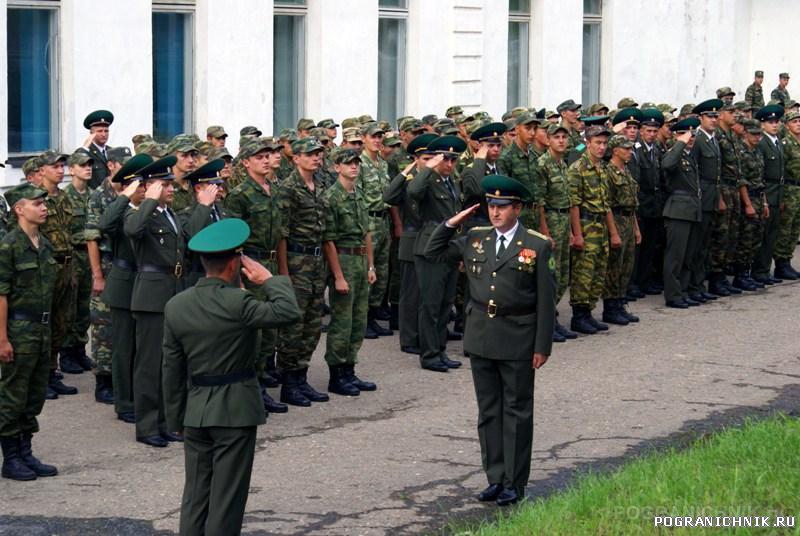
[39, 318]
[62, 258]
[377, 213]
[361, 250]
[122, 264]
[259, 254]
[684, 192]
[594, 216]
[176, 270]
[493, 310]
[623, 211]
[791, 182]
[315, 251]
[779, 181]
[222, 379]
[557, 210]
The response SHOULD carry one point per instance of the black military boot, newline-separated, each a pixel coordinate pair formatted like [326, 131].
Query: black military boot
[361, 385]
[270, 406]
[623, 310]
[33, 463]
[308, 391]
[394, 319]
[290, 390]
[383, 313]
[611, 313]
[634, 292]
[783, 270]
[103, 391]
[68, 362]
[80, 357]
[557, 336]
[13, 466]
[580, 322]
[369, 333]
[716, 285]
[273, 375]
[58, 386]
[372, 323]
[567, 334]
[339, 384]
[599, 326]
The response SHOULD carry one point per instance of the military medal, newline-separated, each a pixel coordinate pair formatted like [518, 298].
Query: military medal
[478, 247]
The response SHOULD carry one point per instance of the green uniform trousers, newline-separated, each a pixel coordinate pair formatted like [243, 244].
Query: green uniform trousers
[268, 336]
[409, 305]
[725, 235]
[762, 263]
[297, 341]
[148, 399]
[78, 331]
[700, 258]
[381, 240]
[504, 391]
[218, 465]
[123, 348]
[558, 225]
[62, 311]
[682, 241]
[789, 227]
[751, 234]
[589, 265]
[348, 313]
[621, 259]
[437, 289]
[23, 387]
[101, 334]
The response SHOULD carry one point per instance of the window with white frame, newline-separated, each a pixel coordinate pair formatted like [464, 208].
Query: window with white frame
[32, 76]
[392, 22]
[592, 22]
[289, 57]
[173, 68]
[519, 23]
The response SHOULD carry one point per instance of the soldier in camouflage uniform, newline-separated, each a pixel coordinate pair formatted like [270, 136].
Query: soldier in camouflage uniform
[589, 211]
[518, 162]
[100, 258]
[300, 201]
[287, 137]
[254, 201]
[57, 230]
[348, 249]
[789, 230]
[3, 217]
[182, 146]
[570, 112]
[780, 93]
[754, 96]
[623, 230]
[754, 205]
[373, 179]
[554, 205]
[27, 279]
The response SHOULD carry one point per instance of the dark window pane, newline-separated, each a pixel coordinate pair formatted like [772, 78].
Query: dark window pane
[592, 7]
[391, 68]
[591, 63]
[519, 6]
[288, 72]
[517, 81]
[29, 80]
[169, 73]
[279, 3]
[395, 4]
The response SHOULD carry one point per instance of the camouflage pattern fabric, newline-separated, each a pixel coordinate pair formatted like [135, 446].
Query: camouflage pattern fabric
[101, 333]
[752, 229]
[373, 179]
[754, 96]
[287, 166]
[3, 216]
[623, 194]
[520, 165]
[553, 188]
[184, 197]
[725, 237]
[98, 201]
[77, 206]
[779, 94]
[789, 230]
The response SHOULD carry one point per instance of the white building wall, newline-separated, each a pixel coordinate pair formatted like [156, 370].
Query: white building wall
[7, 176]
[773, 35]
[556, 52]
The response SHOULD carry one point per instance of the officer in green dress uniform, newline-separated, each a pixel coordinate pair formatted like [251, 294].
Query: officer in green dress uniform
[211, 393]
[510, 322]
[97, 124]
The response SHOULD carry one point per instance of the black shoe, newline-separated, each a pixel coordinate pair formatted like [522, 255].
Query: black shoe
[268, 381]
[81, 359]
[382, 313]
[59, 387]
[127, 416]
[451, 363]
[730, 288]
[558, 337]
[580, 321]
[410, 349]
[33, 463]
[490, 493]
[599, 326]
[690, 302]
[436, 366]
[630, 297]
[308, 391]
[372, 324]
[652, 290]
[68, 365]
[762, 280]
[172, 437]
[270, 405]
[718, 288]
[369, 333]
[507, 497]
[13, 466]
[774, 280]
[741, 282]
[50, 395]
[361, 385]
[677, 304]
[454, 335]
[624, 312]
[697, 297]
[784, 270]
[636, 292]
[611, 313]
[323, 328]
[292, 395]
[153, 441]
[709, 296]
[567, 334]
[103, 392]
[338, 382]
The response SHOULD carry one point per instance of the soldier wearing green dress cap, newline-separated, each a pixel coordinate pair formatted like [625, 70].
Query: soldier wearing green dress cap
[97, 124]
[754, 95]
[510, 320]
[210, 339]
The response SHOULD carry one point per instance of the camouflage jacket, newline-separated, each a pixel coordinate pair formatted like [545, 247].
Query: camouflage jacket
[731, 147]
[27, 280]
[303, 211]
[551, 182]
[623, 190]
[588, 185]
[77, 206]
[184, 197]
[791, 157]
[3, 216]
[58, 224]
[752, 168]
[398, 161]
[780, 94]
[754, 96]
[238, 175]
[98, 201]
[251, 203]
[520, 165]
[372, 180]
[286, 168]
[346, 220]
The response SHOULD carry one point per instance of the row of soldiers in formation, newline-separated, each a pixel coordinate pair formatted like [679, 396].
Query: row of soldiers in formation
[631, 203]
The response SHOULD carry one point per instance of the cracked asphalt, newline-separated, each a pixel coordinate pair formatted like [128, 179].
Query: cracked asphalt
[405, 459]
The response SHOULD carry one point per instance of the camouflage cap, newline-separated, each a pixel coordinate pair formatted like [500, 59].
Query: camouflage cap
[550, 114]
[288, 134]
[791, 116]
[219, 152]
[351, 134]
[216, 131]
[392, 141]
[483, 115]
[554, 128]
[515, 112]
[647, 105]
[385, 126]
[351, 122]
[669, 118]
[597, 109]
[273, 143]
[752, 126]
[305, 124]
[741, 105]
[453, 110]
[627, 102]
[250, 131]
[401, 119]
[202, 147]
[727, 107]
[619, 141]
[664, 107]
[461, 119]
[119, 154]
[568, 104]
[443, 122]
[366, 118]
[410, 124]
[31, 165]
[775, 101]
[473, 126]
[784, 76]
[344, 156]
[725, 91]
[327, 123]
[50, 157]
[429, 119]
[527, 118]
[596, 130]
[80, 157]
[140, 138]
[253, 147]
[320, 133]
[306, 145]
[182, 142]
[152, 148]
[369, 129]
[511, 122]
[506, 115]
[759, 74]
[686, 109]
[25, 190]
[791, 103]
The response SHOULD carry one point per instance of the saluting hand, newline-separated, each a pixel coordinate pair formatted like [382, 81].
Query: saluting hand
[6, 352]
[435, 161]
[456, 220]
[207, 195]
[154, 190]
[254, 271]
[130, 189]
[482, 152]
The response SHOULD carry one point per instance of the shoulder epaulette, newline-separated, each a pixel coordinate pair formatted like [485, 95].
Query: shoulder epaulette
[537, 234]
[484, 228]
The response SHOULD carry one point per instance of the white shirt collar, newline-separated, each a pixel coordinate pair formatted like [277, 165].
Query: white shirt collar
[508, 234]
[773, 139]
[710, 136]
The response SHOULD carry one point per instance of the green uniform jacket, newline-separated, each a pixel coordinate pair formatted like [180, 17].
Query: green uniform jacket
[99, 166]
[435, 203]
[396, 195]
[193, 220]
[754, 95]
[155, 243]
[780, 95]
[119, 282]
[471, 178]
[773, 170]
[212, 329]
[682, 183]
[709, 166]
[510, 283]
[651, 200]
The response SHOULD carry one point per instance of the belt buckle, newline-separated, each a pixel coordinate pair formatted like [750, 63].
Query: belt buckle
[317, 251]
[67, 259]
[178, 271]
[491, 309]
[45, 318]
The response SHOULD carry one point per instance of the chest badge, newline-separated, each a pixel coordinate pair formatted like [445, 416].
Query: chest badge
[478, 247]
[161, 241]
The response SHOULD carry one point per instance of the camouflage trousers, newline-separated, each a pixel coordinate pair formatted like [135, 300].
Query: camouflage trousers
[621, 259]
[751, 234]
[588, 276]
[381, 240]
[298, 341]
[62, 312]
[789, 229]
[101, 333]
[530, 217]
[268, 336]
[725, 234]
[348, 313]
[558, 225]
[78, 332]
[23, 386]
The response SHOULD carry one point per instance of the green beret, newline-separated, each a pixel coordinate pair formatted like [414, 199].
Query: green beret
[160, 169]
[50, 157]
[23, 191]
[770, 112]
[208, 173]
[249, 131]
[306, 145]
[130, 169]
[327, 123]
[216, 131]
[568, 104]
[688, 124]
[710, 106]
[183, 143]
[627, 115]
[491, 132]
[652, 117]
[345, 156]
[31, 164]
[80, 157]
[305, 124]
[222, 238]
[419, 145]
[725, 92]
[447, 145]
[119, 154]
[502, 190]
[98, 117]
[621, 141]
[627, 102]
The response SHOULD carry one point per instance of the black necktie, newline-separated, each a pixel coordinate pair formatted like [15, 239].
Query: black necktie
[450, 187]
[502, 247]
[168, 216]
[492, 170]
[214, 214]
